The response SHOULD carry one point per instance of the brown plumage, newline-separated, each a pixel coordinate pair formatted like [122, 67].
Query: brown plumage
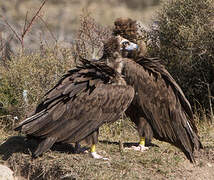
[83, 100]
[160, 108]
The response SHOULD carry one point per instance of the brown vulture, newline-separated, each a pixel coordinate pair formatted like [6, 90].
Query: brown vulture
[84, 99]
[159, 108]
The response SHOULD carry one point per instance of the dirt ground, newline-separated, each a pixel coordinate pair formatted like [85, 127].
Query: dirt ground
[161, 161]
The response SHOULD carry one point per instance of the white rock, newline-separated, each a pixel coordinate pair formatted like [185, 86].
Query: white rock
[6, 173]
[209, 165]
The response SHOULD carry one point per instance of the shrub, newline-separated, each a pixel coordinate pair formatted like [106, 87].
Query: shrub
[91, 37]
[186, 37]
[34, 73]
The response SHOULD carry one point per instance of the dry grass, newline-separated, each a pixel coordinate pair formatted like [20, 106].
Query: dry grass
[35, 73]
[163, 162]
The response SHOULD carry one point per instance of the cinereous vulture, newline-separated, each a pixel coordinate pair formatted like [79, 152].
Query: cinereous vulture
[84, 99]
[159, 108]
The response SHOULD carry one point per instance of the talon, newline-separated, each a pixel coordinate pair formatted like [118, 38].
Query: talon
[138, 148]
[143, 148]
[86, 152]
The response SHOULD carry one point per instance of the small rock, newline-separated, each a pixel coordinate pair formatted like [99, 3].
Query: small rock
[6, 173]
[209, 165]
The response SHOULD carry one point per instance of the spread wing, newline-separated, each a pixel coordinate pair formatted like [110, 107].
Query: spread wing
[78, 105]
[163, 104]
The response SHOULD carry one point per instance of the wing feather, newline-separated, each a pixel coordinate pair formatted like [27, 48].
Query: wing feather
[163, 104]
[78, 105]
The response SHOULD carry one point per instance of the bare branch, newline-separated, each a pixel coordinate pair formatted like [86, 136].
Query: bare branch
[25, 22]
[32, 20]
[12, 29]
[26, 27]
[51, 33]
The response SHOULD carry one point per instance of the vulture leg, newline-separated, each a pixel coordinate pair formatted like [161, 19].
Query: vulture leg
[93, 140]
[145, 132]
[94, 153]
[141, 147]
[143, 127]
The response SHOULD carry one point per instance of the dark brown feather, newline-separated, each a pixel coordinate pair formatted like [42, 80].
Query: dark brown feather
[161, 102]
[83, 100]
[159, 108]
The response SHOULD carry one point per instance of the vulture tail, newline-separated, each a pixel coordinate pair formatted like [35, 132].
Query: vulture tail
[184, 136]
[44, 146]
[191, 144]
[196, 145]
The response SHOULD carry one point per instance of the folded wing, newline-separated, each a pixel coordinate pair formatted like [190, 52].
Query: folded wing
[83, 100]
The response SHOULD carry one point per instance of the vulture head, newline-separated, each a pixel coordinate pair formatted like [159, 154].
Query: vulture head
[126, 28]
[120, 45]
[133, 31]
[115, 50]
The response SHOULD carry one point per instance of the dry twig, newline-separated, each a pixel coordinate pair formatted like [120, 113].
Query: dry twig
[26, 27]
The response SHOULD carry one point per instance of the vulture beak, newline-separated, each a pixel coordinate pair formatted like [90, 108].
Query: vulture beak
[128, 46]
[131, 47]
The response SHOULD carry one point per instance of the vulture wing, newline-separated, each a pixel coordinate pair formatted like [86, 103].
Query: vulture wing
[154, 65]
[78, 105]
[162, 103]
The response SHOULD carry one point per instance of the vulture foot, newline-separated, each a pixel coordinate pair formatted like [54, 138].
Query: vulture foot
[138, 148]
[97, 156]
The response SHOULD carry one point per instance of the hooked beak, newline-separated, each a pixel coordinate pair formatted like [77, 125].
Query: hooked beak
[131, 47]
